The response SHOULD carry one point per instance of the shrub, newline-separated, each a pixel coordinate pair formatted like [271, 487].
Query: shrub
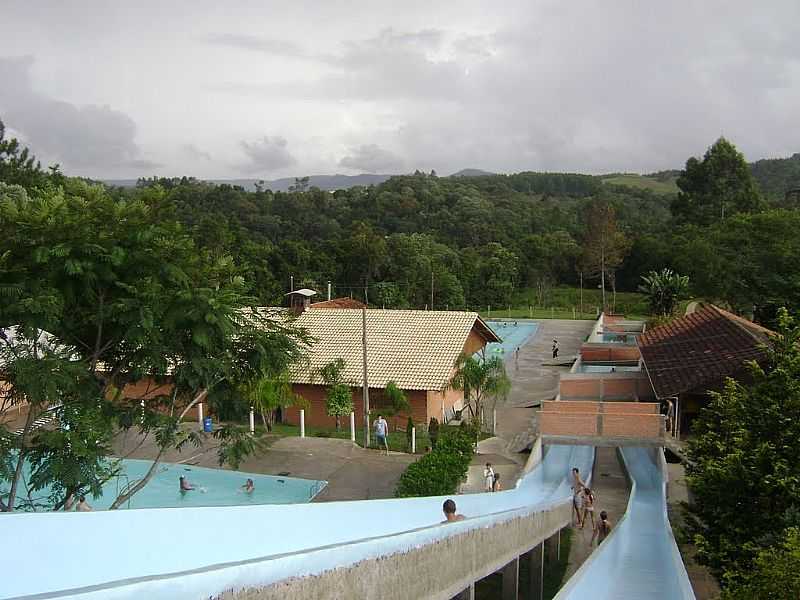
[433, 432]
[439, 472]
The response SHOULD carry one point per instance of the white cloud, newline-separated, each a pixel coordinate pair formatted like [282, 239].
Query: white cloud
[270, 153]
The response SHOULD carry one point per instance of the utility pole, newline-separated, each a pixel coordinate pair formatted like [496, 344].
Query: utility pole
[365, 392]
[431, 286]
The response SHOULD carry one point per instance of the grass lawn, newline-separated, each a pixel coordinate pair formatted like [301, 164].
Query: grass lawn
[642, 181]
[565, 303]
[397, 439]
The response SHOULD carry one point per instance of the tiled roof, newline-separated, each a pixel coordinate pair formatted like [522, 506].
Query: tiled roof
[416, 349]
[697, 351]
[339, 303]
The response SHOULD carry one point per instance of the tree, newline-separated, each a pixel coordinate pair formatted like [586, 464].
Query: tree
[743, 471]
[433, 431]
[269, 392]
[775, 574]
[398, 403]
[338, 395]
[480, 380]
[126, 297]
[664, 289]
[19, 166]
[717, 186]
[604, 246]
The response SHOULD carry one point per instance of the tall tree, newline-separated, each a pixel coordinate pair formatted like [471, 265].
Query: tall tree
[604, 246]
[743, 471]
[338, 395]
[664, 289]
[481, 381]
[123, 290]
[715, 187]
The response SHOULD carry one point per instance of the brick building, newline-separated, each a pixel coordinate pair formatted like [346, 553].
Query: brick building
[414, 349]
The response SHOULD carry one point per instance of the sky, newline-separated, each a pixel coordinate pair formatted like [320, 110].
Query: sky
[268, 89]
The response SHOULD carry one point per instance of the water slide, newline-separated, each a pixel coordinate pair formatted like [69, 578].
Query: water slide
[640, 558]
[194, 553]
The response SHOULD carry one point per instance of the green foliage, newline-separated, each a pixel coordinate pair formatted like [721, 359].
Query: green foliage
[18, 166]
[338, 395]
[776, 176]
[775, 574]
[665, 289]
[604, 246]
[717, 186]
[397, 399]
[268, 392]
[433, 431]
[743, 470]
[480, 380]
[236, 444]
[440, 471]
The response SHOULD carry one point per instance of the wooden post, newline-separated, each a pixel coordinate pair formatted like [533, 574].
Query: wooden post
[252, 422]
[302, 423]
[200, 413]
[413, 440]
[352, 427]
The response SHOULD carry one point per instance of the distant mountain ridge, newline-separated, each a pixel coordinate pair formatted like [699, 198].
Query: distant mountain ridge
[774, 176]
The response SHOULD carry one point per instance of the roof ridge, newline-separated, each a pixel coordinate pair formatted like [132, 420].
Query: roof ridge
[744, 324]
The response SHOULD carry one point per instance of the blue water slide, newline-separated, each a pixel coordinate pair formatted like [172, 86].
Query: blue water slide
[191, 553]
[640, 558]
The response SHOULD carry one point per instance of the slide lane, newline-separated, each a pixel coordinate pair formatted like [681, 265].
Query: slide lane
[193, 553]
[640, 558]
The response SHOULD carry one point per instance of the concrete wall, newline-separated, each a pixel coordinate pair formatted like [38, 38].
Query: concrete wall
[609, 352]
[435, 571]
[605, 386]
[639, 420]
[317, 416]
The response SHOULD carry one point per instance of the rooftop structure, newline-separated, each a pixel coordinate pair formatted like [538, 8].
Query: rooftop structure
[698, 351]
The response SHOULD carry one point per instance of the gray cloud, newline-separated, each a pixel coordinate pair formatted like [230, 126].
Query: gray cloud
[90, 139]
[371, 158]
[192, 152]
[265, 45]
[270, 153]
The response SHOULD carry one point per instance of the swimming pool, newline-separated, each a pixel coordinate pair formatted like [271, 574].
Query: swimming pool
[214, 487]
[514, 335]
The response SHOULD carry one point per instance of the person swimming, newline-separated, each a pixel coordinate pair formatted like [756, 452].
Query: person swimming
[249, 487]
[185, 485]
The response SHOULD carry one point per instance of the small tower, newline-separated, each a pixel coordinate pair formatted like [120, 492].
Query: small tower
[300, 300]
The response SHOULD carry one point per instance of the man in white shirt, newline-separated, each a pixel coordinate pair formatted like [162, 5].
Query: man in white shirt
[381, 431]
[488, 477]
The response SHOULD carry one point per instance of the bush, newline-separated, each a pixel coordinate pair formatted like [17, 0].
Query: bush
[433, 432]
[439, 472]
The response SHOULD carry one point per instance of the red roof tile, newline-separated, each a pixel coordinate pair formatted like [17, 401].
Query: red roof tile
[339, 303]
[700, 349]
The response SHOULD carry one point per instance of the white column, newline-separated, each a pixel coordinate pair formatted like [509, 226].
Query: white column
[413, 440]
[352, 427]
[494, 421]
[252, 421]
[200, 413]
[302, 423]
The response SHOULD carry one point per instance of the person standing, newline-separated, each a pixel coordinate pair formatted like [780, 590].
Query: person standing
[488, 477]
[496, 487]
[602, 529]
[83, 505]
[555, 349]
[577, 500]
[588, 506]
[381, 431]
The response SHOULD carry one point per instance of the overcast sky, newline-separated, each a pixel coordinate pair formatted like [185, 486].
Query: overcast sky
[267, 89]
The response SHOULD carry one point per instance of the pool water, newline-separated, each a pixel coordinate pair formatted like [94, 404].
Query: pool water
[214, 487]
[514, 335]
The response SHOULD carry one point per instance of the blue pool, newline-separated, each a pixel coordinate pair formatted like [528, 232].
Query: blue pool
[514, 335]
[214, 487]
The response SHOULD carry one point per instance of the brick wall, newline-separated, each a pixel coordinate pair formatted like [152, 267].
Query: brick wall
[317, 416]
[553, 423]
[638, 426]
[608, 419]
[609, 352]
[608, 386]
[566, 406]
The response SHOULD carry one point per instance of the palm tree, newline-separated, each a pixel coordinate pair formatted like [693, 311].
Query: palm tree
[480, 380]
[664, 289]
[268, 392]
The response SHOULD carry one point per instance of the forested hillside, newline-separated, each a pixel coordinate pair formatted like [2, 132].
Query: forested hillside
[422, 240]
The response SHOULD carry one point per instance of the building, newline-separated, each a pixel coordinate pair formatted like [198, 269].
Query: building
[694, 354]
[415, 349]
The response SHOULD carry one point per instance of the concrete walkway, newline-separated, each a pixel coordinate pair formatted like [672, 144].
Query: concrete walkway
[611, 491]
[534, 377]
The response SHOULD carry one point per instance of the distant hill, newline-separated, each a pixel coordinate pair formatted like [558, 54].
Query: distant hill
[777, 175]
[471, 173]
[323, 182]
